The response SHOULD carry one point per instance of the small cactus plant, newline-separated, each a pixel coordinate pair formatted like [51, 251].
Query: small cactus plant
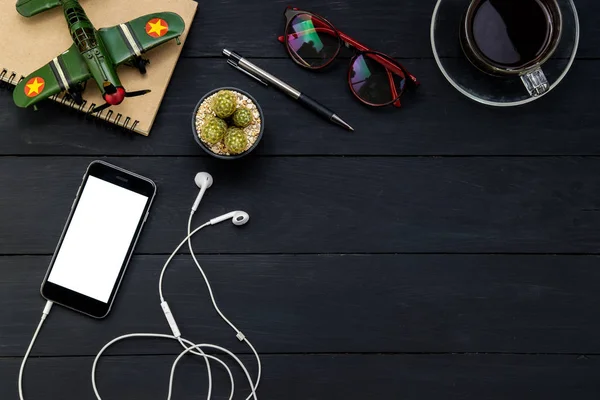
[235, 140]
[228, 123]
[214, 130]
[225, 104]
[242, 117]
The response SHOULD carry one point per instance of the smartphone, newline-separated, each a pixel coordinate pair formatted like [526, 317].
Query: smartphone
[107, 216]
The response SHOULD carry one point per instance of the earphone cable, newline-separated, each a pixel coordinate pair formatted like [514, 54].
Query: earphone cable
[208, 285]
[164, 269]
[45, 313]
[239, 335]
[194, 347]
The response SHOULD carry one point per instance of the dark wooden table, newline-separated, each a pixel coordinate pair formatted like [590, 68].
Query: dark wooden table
[443, 251]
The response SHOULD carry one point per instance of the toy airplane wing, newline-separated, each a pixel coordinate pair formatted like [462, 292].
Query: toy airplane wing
[29, 8]
[63, 73]
[132, 39]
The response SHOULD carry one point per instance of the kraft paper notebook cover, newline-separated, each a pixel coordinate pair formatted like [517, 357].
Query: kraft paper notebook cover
[30, 43]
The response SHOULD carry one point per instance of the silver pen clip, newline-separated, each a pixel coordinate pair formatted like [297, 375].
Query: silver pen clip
[234, 65]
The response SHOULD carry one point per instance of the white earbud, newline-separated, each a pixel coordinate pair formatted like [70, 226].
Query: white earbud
[203, 180]
[238, 218]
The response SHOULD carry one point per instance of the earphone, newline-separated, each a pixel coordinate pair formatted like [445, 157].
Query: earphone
[238, 218]
[204, 181]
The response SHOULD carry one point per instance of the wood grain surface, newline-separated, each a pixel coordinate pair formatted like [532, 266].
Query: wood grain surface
[414, 377]
[331, 304]
[332, 204]
[435, 120]
[443, 251]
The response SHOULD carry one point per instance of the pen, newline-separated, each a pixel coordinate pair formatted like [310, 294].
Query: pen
[240, 63]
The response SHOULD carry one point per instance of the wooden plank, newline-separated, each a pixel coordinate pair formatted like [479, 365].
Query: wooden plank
[436, 120]
[472, 377]
[327, 304]
[400, 29]
[331, 205]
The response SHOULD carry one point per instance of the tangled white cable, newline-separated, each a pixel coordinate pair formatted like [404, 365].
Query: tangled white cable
[204, 181]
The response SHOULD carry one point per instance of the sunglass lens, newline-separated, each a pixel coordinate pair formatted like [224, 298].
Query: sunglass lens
[372, 82]
[312, 41]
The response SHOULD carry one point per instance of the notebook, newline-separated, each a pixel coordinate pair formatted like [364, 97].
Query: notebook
[41, 38]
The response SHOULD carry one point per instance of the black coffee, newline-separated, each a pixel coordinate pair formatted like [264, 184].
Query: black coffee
[512, 33]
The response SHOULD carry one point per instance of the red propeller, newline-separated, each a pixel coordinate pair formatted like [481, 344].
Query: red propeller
[115, 96]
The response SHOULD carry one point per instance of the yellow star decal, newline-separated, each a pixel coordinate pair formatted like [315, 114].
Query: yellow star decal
[157, 27]
[34, 87]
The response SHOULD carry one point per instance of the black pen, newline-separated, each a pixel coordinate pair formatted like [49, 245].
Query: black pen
[239, 62]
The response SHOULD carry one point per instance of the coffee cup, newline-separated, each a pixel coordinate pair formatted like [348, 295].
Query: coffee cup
[512, 38]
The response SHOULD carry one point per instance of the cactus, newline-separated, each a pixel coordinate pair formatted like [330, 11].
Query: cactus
[224, 104]
[214, 130]
[242, 117]
[236, 140]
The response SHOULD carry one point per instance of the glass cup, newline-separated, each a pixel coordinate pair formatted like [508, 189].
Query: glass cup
[512, 37]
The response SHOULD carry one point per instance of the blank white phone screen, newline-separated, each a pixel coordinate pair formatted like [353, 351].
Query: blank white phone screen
[96, 243]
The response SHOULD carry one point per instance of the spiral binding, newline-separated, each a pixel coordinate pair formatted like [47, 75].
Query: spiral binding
[8, 80]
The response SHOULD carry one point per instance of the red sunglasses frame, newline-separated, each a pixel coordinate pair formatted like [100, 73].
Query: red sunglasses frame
[388, 63]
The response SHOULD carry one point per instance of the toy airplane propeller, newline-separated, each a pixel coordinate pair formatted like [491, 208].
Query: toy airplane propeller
[95, 54]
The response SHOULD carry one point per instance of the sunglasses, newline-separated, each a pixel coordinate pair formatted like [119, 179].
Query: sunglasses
[313, 42]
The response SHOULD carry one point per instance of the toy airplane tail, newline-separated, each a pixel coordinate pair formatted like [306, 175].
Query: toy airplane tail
[29, 8]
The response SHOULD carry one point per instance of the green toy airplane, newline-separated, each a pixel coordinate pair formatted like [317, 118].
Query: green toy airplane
[95, 54]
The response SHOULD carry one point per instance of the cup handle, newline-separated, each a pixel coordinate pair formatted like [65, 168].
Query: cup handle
[535, 82]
